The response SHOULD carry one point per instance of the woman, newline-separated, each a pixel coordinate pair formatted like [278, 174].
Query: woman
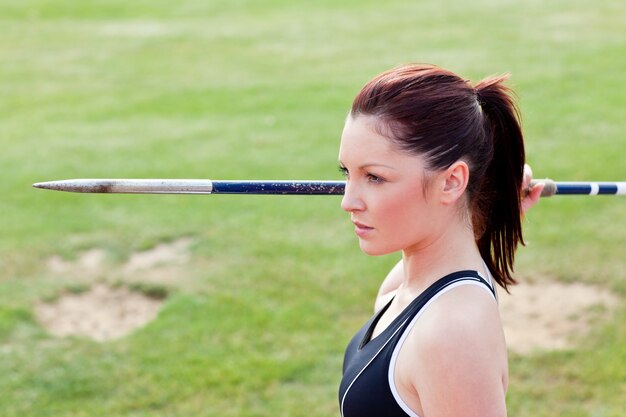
[434, 168]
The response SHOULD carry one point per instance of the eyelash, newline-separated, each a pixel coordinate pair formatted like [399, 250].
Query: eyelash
[374, 179]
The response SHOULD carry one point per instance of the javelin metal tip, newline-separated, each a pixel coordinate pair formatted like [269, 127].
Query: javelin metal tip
[50, 185]
[64, 185]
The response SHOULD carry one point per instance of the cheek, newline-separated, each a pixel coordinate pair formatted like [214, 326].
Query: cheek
[402, 219]
[403, 209]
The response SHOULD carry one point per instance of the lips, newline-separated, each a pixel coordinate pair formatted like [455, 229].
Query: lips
[361, 229]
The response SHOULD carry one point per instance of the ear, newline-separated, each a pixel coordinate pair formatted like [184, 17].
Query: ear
[454, 180]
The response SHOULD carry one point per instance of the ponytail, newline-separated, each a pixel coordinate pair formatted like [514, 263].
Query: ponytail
[498, 198]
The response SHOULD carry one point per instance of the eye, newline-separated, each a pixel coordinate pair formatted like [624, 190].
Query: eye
[343, 170]
[375, 179]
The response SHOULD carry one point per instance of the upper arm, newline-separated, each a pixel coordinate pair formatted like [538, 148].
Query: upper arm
[460, 366]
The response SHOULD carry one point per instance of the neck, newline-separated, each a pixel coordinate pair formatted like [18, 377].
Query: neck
[453, 250]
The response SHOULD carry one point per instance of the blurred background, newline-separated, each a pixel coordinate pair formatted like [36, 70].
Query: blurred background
[243, 304]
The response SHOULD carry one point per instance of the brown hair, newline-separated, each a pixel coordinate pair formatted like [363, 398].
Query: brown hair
[431, 112]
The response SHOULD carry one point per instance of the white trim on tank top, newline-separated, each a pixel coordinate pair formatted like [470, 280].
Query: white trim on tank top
[489, 280]
[396, 350]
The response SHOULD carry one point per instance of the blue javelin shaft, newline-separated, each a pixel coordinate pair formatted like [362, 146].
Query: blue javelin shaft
[590, 188]
[196, 186]
[279, 187]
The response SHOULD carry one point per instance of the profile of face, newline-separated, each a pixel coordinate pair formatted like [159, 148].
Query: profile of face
[387, 195]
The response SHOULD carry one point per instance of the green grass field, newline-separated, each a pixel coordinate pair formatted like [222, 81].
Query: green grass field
[256, 323]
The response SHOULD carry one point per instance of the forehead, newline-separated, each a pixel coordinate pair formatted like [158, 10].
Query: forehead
[360, 141]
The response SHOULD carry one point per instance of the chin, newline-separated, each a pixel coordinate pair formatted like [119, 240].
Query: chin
[373, 250]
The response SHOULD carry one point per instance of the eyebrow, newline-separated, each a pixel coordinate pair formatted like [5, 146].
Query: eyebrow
[370, 164]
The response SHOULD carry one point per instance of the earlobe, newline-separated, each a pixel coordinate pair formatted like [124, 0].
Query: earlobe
[456, 179]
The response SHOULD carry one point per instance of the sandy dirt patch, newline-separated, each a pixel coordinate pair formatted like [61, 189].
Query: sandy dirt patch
[176, 252]
[90, 261]
[102, 313]
[552, 315]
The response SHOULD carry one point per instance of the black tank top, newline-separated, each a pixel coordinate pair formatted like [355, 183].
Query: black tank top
[367, 387]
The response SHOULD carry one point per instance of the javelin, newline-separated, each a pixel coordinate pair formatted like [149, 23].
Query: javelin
[198, 186]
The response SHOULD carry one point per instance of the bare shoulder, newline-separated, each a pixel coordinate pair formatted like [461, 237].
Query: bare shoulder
[457, 350]
[464, 316]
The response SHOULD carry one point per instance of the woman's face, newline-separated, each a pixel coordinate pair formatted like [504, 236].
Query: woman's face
[385, 194]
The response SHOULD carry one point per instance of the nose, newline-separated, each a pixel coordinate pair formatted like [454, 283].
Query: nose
[351, 200]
